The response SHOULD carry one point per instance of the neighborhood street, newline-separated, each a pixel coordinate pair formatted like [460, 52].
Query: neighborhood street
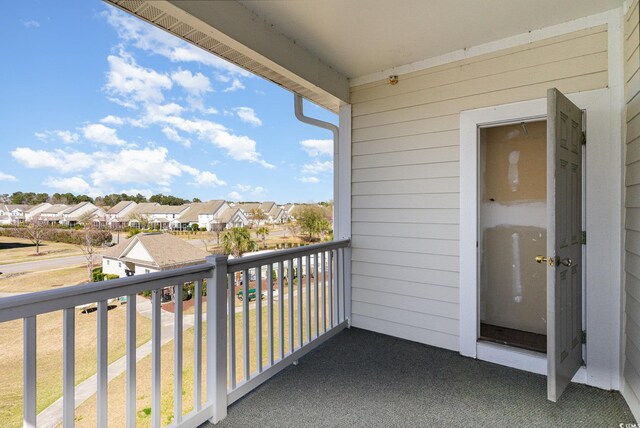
[47, 264]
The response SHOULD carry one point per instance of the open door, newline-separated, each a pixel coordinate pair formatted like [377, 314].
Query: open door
[564, 242]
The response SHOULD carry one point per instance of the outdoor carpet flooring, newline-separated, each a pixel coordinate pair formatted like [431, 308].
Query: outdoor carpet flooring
[365, 379]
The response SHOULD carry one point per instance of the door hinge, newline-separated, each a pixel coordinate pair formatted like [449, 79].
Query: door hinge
[583, 237]
[584, 337]
[584, 138]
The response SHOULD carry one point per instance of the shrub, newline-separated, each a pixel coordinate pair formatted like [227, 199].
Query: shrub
[195, 228]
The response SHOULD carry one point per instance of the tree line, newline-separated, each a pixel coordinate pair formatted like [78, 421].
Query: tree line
[32, 198]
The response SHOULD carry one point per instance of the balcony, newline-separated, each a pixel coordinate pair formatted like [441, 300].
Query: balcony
[365, 379]
[304, 301]
[318, 373]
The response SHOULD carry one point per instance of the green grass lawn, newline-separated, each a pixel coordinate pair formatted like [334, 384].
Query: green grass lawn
[17, 250]
[86, 413]
[49, 356]
[43, 280]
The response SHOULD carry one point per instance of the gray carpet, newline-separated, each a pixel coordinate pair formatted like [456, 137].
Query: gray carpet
[365, 379]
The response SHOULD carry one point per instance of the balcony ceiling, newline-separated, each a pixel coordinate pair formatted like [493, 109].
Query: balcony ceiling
[361, 37]
[314, 47]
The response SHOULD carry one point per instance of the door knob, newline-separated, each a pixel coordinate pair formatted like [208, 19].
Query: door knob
[544, 259]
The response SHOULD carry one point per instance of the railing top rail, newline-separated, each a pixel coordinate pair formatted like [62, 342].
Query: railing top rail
[29, 304]
[242, 263]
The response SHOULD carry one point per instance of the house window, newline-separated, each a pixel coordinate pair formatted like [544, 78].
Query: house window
[119, 264]
[147, 271]
[107, 262]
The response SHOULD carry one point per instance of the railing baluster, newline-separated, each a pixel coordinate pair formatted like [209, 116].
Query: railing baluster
[323, 268]
[346, 266]
[331, 291]
[245, 324]
[258, 301]
[177, 354]
[29, 371]
[68, 366]
[316, 292]
[232, 328]
[102, 374]
[131, 361]
[156, 338]
[300, 272]
[217, 339]
[197, 346]
[291, 317]
[308, 291]
[281, 308]
[270, 312]
[338, 277]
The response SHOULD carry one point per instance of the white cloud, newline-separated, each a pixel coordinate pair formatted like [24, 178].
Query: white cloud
[234, 196]
[151, 39]
[7, 177]
[101, 134]
[317, 167]
[74, 185]
[235, 85]
[245, 188]
[144, 166]
[112, 120]
[60, 160]
[206, 178]
[309, 179]
[65, 136]
[173, 135]
[317, 148]
[32, 23]
[248, 115]
[195, 84]
[238, 147]
[129, 84]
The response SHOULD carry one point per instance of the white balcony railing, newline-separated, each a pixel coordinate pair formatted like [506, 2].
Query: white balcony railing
[313, 304]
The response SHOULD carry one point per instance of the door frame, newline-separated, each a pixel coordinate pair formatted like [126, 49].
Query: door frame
[602, 207]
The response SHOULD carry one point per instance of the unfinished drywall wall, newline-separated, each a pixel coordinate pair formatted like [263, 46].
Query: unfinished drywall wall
[513, 226]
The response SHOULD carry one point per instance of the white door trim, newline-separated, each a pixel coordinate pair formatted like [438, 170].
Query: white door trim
[601, 309]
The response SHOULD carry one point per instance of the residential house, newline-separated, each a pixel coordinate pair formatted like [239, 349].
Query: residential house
[150, 252]
[82, 211]
[116, 216]
[13, 214]
[201, 214]
[139, 216]
[288, 211]
[161, 216]
[34, 212]
[270, 211]
[230, 217]
[52, 214]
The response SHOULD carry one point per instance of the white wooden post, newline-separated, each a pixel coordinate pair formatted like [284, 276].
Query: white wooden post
[217, 337]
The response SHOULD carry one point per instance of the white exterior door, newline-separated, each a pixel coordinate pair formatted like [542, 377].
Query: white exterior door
[564, 242]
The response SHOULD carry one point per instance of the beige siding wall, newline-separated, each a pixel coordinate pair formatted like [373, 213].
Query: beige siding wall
[632, 179]
[406, 176]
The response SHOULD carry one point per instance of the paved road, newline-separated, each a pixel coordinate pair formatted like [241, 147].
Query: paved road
[47, 264]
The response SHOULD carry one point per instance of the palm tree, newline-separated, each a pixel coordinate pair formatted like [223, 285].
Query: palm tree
[237, 241]
[263, 231]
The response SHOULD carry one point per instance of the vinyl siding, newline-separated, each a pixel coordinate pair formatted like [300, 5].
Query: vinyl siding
[406, 175]
[632, 215]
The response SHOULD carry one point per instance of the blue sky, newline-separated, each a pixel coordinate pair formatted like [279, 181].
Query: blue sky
[95, 101]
